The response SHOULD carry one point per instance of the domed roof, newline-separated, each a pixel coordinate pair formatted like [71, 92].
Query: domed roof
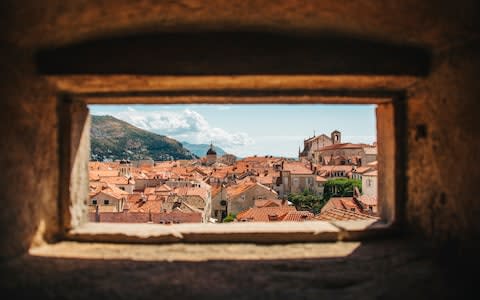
[211, 151]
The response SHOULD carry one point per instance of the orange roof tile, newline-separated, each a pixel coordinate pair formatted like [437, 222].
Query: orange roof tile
[341, 203]
[117, 180]
[335, 214]
[298, 216]
[270, 203]
[264, 214]
[343, 146]
[234, 191]
[192, 191]
[296, 168]
[110, 190]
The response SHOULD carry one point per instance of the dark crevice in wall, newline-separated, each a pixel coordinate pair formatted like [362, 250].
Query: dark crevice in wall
[234, 53]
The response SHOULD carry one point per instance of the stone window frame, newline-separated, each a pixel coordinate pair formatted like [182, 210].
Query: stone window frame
[230, 67]
[390, 115]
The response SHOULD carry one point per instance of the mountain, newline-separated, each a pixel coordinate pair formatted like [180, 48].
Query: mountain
[112, 138]
[201, 149]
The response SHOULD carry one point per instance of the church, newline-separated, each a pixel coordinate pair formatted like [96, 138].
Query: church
[326, 150]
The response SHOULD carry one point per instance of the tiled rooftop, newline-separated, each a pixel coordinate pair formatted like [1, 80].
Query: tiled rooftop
[336, 214]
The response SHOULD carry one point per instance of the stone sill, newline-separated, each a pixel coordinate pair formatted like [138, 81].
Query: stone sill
[258, 233]
[193, 252]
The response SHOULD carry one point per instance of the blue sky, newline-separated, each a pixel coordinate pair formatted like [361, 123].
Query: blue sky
[249, 129]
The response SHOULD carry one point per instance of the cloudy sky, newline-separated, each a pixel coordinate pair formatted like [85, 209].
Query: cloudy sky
[249, 129]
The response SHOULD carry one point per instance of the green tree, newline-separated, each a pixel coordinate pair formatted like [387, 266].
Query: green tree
[230, 218]
[307, 200]
[340, 187]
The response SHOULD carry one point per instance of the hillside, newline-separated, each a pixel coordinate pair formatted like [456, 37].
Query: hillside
[112, 138]
[201, 149]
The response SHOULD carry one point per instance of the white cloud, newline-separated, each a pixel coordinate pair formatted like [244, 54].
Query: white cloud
[223, 107]
[186, 125]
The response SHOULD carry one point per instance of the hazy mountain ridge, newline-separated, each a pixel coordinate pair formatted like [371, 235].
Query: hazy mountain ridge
[112, 138]
[201, 149]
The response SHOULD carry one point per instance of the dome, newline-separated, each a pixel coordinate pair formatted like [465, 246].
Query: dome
[211, 151]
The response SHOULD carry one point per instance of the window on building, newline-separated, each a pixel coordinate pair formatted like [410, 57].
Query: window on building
[94, 201]
[106, 202]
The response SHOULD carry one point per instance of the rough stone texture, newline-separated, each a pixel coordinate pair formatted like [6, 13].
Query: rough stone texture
[80, 155]
[382, 270]
[442, 150]
[443, 143]
[436, 23]
[28, 159]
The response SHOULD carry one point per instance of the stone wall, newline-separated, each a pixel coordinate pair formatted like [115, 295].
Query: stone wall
[28, 155]
[443, 146]
[442, 110]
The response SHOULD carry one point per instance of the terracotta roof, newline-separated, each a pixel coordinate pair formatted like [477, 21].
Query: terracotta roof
[320, 179]
[135, 204]
[149, 190]
[215, 190]
[264, 214]
[118, 180]
[192, 191]
[298, 216]
[270, 203]
[335, 214]
[104, 173]
[140, 175]
[110, 190]
[234, 191]
[163, 188]
[341, 203]
[343, 146]
[296, 168]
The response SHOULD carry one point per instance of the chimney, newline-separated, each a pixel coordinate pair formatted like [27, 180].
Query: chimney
[97, 214]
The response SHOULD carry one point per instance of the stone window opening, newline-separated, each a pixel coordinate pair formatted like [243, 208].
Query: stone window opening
[92, 82]
[80, 232]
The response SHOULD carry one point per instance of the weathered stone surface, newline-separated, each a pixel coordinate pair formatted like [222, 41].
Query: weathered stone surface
[443, 143]
[28, 160]
[441, 148]
[385, 270]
